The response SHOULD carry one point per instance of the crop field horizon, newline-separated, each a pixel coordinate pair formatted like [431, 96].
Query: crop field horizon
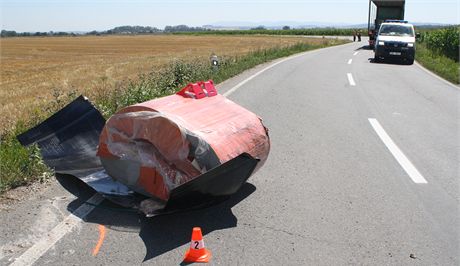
[36, 69]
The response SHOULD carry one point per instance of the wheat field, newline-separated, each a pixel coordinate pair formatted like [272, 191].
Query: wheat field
[33, 69]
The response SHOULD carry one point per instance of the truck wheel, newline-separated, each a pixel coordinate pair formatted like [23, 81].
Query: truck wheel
[376, 59]
[410, 61]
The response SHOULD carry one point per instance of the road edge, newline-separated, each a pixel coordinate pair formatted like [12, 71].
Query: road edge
[248, 75]
[437, 76]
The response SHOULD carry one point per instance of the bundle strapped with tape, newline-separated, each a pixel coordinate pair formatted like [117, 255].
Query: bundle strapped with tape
[184, 151]
[156, 146]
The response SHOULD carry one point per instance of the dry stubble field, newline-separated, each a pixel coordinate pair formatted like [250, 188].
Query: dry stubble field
[34, 68]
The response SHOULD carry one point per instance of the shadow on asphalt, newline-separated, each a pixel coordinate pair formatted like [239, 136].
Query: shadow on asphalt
[78, 188]
[389, 61]
[364, 47]
[163, 233]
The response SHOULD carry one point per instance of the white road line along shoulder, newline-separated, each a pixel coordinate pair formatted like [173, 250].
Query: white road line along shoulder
[437, 77]
[351, 80]
[355, 53]
[349, 61]
[38, 249]
[237, 86]
[405, 163]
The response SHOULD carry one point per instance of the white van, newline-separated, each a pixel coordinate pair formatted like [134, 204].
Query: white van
[396, 39]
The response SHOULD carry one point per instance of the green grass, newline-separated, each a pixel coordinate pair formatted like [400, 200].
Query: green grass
[438, 63]
[20, 165]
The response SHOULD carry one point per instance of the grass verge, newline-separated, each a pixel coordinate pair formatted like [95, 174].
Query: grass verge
[438, 63]
[20, 165]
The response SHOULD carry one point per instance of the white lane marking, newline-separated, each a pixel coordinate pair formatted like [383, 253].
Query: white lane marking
[349, 61]
[38, 249]
[355, 53]
[237, 86]
[410, 169]
[351, 80]
[438, 77]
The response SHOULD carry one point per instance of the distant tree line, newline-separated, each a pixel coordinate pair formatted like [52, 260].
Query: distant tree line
[132, 30]
[12, 33]
[184, 29]
[259, 28]
[147, 30]
[327, 31]
[117, 30]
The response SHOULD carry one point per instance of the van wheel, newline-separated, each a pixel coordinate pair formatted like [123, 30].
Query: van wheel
[410, 61]
[376, 59]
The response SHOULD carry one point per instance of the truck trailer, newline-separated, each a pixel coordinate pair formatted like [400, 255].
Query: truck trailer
[381, 10]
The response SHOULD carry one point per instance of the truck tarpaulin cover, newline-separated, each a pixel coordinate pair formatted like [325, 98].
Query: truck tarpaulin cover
[181, 151]
[156, 146]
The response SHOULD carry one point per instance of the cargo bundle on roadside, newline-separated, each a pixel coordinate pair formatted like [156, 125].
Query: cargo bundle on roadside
[180, 151]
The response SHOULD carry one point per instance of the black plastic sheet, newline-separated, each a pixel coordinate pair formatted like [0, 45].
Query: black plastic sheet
[68, 142]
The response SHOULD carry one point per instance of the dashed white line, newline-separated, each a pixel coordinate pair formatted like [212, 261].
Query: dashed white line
[351, 80]
[38, 249]
[237, 86]
[405, 163]
[349, 61]
[355, 53]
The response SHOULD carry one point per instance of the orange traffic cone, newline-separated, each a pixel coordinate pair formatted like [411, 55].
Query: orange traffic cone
[197, 252]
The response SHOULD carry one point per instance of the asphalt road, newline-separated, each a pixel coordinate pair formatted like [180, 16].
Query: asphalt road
[363, 170]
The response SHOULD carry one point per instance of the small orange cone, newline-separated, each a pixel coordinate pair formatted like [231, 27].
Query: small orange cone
[197, 252]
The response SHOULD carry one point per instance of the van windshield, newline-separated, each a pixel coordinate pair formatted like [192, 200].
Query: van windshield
[396, 30]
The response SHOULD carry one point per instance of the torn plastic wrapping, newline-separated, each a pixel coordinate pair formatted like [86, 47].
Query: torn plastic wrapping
[182, 151]
[154, 153]
[68, 143]
[156, 146]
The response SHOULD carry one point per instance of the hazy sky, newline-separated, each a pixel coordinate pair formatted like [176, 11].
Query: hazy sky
[74, 15]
